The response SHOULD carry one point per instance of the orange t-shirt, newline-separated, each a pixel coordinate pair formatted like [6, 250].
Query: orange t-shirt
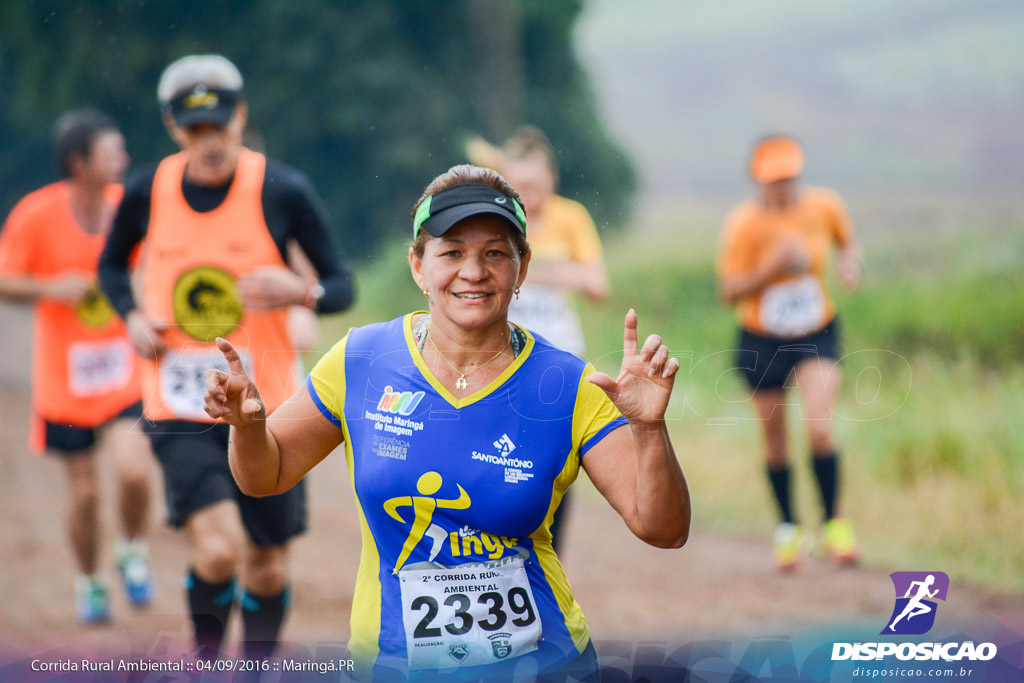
[84, 368]
[792, 304]
[193, 262]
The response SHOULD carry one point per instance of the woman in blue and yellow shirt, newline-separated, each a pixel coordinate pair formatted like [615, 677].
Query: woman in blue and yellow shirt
[462, 432]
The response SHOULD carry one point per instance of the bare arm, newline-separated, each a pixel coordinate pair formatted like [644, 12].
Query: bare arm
[850, 266]
[635, 468]
[790, 256]
[590, 279]
[70, 287]
[267, 455]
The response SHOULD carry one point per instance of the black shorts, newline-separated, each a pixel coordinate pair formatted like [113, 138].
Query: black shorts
[766, 362]
[65, 439]
[194, 458]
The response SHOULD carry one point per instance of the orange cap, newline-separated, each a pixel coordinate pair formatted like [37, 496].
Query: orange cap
[775, 159]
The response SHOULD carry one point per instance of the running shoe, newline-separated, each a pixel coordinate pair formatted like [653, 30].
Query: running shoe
[91, 603]
[839, 541]
[136, 575]
[788, 545]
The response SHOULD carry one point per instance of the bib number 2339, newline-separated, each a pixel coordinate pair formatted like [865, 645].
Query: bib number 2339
[467, 617]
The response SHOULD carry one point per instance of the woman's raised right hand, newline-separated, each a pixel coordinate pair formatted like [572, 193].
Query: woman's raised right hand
[232, 396]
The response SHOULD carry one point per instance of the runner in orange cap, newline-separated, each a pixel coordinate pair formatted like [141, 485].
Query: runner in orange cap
[775, 252]
[84, 370]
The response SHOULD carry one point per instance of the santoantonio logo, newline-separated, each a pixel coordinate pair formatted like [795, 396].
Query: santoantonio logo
[206, 303]
[914, 614]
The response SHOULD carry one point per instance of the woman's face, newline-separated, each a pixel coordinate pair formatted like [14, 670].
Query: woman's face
[107, 159]
[533, 180]
[471, 272]
[212, 149]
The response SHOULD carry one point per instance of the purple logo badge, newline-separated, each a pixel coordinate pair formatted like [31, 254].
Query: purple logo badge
[916, 592]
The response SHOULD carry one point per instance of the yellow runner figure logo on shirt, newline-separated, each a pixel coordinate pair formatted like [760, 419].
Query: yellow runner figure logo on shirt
[206, 303]
[94, 308]
[423, 507]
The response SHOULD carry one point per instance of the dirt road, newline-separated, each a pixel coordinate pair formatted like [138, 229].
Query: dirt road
[631, 593]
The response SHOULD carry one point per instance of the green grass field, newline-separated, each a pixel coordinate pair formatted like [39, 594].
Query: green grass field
[928, 417]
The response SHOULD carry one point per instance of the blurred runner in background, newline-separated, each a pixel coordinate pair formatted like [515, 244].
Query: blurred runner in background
[217, 219]
[775, 253]
[567, 252]
[85, 384]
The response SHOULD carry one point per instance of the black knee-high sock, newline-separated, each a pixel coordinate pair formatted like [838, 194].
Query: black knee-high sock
[262, 618]
[826, 470]
[211, 605]
[779, 477]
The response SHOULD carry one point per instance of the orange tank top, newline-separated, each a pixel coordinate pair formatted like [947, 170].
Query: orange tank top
[190, 279]
[84, 371]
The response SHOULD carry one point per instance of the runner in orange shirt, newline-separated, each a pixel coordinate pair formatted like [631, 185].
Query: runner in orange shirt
[217, 219]
[775, 253]
[84, 370]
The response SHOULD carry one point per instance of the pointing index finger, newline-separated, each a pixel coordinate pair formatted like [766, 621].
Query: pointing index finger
[231, 356]
[629, 335]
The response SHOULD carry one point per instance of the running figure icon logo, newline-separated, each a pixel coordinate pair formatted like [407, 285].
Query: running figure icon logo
[423, 507]
[916, 592]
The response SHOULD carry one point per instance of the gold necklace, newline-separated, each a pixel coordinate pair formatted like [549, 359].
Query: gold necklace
[461, 382]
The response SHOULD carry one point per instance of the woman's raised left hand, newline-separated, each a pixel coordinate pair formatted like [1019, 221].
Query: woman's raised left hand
[644, 385]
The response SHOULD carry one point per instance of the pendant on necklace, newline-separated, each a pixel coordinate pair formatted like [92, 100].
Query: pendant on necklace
[461, 383]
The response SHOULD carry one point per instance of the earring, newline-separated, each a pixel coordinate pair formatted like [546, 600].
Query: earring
[426, 293]
[516, 292]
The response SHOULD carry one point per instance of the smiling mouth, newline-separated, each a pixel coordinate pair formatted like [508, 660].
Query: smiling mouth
[471, 295]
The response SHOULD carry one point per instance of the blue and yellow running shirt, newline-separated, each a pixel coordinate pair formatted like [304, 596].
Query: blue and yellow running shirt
[455, 499]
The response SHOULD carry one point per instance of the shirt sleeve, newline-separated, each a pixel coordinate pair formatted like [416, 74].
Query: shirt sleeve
[839, 219]
[326, 383]
[584, 242]
[18, 242]
[128, 230]
[737, 254]
[595, 416]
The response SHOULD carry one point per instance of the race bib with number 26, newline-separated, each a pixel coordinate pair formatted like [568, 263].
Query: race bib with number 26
[183, 378]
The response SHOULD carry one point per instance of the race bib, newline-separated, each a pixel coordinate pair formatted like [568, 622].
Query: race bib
[548, 312]
[468, 616]
[99, 367]
[793, 308]
[183, 378]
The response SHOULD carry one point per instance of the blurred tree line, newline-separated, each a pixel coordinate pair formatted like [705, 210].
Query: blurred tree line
[371, 98]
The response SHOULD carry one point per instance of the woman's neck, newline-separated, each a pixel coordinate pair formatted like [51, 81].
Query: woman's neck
[467, 348]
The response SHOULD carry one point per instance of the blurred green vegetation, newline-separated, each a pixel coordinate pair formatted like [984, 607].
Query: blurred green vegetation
[371, 99]
[928, 416]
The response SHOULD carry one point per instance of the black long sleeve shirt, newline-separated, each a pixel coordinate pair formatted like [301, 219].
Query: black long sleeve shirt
[292, 210]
